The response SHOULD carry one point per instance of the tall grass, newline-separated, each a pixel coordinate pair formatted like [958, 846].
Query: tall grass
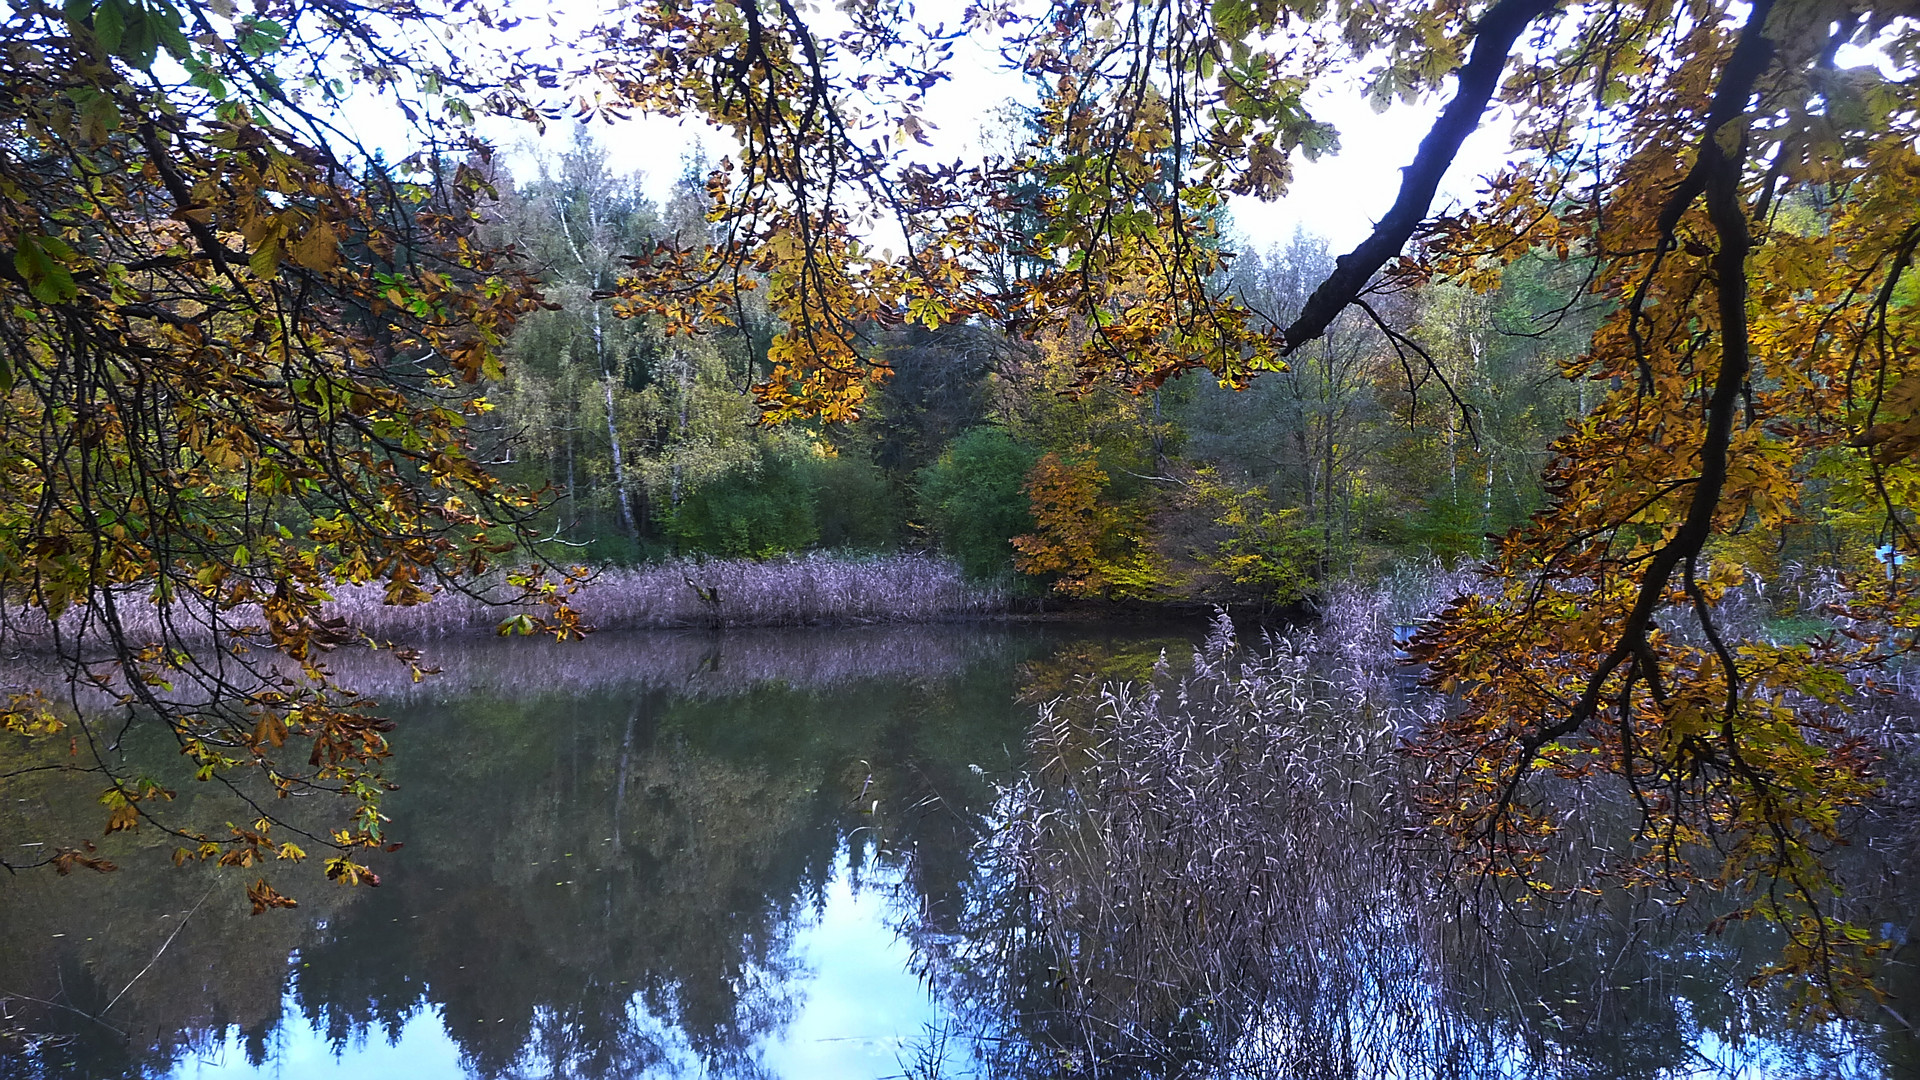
[1225, 874]
[800, 591]
[808, 590]
[815, 589]
[1209, 872]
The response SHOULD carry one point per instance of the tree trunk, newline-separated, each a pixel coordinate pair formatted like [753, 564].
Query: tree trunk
[680, 424]
[619, 463]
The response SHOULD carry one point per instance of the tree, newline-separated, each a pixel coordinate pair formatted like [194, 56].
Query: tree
[572, 223]
[1746, 358]
[972, 498]
[239, 367]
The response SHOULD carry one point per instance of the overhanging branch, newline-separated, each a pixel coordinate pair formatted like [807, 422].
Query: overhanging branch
[1479, 77]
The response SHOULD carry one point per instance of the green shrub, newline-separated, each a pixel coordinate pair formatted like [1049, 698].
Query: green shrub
[973, 500]
[1446, 528]
[855, 508]
[756, 512]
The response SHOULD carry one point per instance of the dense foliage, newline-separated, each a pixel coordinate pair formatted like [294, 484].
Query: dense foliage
[237, 372]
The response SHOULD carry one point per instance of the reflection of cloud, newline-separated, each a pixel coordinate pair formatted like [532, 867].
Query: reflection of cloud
[855, 1006]
[862, 1006]
[421, 1048]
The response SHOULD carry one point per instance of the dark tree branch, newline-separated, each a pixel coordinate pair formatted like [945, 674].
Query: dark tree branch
[1479, 77]
[1718, 175]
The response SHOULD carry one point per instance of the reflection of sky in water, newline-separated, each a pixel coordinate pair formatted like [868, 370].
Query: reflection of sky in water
[731, 906]
[860, 1014]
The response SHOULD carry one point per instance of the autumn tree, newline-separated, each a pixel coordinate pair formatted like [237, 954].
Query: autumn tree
[1745, 357]
[1747, 352]
[239, 365]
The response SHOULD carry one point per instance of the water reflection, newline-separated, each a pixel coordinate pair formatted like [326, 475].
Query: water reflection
[610, 855]
[690, 855]
[1221, 875]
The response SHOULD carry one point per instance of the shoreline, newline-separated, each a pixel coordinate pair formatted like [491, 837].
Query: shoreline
[817, 590]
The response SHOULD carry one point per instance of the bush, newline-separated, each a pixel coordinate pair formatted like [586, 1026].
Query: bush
[1446, 528]
[854, 506]
[756, 512]
[974, 501]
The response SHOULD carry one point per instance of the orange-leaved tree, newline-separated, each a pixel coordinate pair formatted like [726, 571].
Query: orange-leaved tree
[1089, 546]
[239, 356]
[1752, 209]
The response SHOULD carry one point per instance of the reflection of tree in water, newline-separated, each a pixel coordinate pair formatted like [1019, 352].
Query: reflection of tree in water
[105, 976]
[593, 885]
[620, 865]
[1219, 876]
[603, 874]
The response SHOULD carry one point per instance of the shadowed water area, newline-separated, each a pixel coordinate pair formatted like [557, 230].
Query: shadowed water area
[865, 853]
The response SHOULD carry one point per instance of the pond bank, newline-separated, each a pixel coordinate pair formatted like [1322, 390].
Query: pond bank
[818, 589]
[810, 590]
[807, 590]
[813, 590]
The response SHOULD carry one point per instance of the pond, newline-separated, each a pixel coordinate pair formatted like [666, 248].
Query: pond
[760, 854]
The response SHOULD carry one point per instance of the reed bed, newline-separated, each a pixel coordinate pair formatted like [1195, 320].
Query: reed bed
[1211, 873]
[807, 590]
[801, 591]
[1223, 874]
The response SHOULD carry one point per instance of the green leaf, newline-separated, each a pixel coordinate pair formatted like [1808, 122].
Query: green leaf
[166, 23]
[38, 262]
[1233, 18]
[265, 261]
[109, 23]
[140, 42]
[99, 115]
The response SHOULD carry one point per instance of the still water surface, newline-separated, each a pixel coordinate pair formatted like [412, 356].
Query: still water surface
[659, 855]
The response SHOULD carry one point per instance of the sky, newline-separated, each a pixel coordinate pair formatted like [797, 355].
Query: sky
[1338, 197]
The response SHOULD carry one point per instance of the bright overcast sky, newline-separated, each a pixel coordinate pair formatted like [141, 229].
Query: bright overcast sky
[1338, 197]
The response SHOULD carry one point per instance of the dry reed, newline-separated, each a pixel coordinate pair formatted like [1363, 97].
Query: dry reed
[1212, 875]
[1224, 875]
[807, 590]
[1210, 872]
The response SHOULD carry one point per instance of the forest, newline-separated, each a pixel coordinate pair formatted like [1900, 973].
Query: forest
[981, 443]
[330, 331]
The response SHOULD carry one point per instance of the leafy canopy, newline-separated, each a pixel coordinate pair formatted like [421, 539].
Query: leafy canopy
[238, 368]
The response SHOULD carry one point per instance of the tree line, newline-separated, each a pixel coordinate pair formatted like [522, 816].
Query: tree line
[987, 445]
